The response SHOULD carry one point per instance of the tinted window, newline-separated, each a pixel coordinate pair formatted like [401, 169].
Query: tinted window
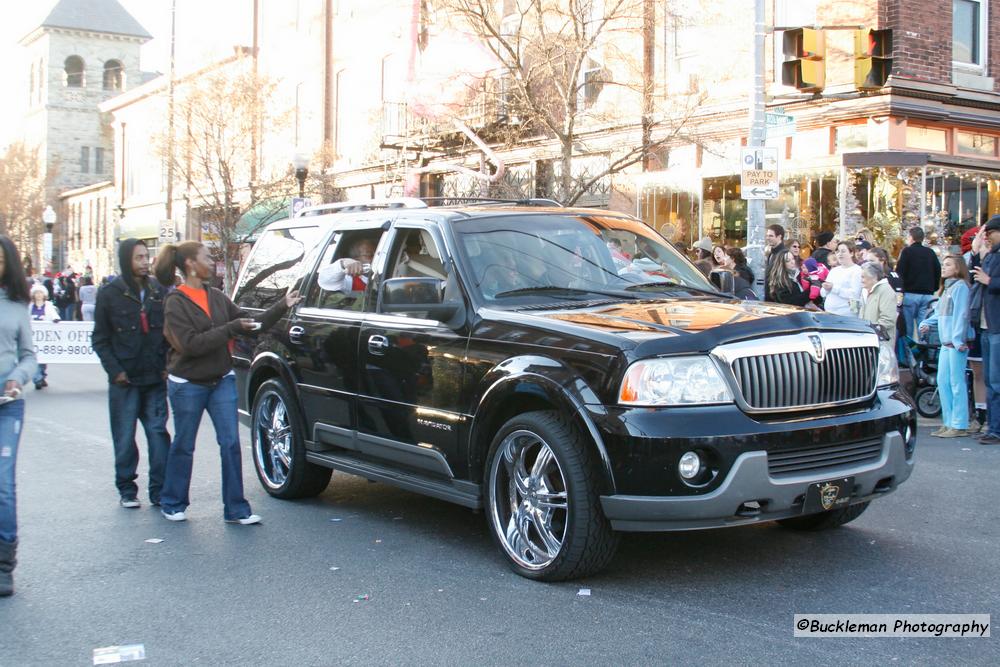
[276, 265]
[518, 257]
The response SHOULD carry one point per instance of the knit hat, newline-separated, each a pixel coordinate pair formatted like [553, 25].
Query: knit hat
[823, 238]
[704, 243]
[811, 264]
[966, 240]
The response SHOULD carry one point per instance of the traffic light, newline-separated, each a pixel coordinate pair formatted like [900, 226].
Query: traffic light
[805, 50]
[872, 58]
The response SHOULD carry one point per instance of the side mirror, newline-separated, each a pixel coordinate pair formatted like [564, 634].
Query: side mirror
[416, 296]
[723, 281]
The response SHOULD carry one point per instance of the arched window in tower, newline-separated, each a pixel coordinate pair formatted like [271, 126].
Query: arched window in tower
[114, 75]
[74, 72]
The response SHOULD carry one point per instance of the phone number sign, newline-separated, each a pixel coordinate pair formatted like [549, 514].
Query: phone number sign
[64, 342]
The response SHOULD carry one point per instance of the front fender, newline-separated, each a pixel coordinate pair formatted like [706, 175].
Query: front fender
[271, 364]
[523, 380]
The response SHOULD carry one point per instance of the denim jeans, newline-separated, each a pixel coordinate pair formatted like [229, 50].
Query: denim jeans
[188, 402]
[41, 373]
[915, 309]
[148, 404]
[11, 422]
[991, 376]
[952, 389]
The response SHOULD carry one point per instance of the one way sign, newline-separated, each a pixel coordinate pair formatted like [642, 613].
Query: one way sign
[759, 173]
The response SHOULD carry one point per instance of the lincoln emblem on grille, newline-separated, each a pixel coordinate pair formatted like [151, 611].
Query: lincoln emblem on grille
[818, 350]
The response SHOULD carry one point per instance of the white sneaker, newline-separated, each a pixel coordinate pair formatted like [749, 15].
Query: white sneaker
[176, 516]
[129, 503]
[245, 521]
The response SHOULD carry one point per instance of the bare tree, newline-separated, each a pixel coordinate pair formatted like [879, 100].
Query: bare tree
[22, 197]
[214, 152]
[576, 71]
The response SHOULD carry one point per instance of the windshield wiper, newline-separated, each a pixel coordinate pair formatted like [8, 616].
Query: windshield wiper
[557, 288]
[671, 284]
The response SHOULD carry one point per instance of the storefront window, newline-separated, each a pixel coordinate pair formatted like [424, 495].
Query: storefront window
[671, 211]
[956, 201]
[926, 138]
[976, 144]
[724, 213]
[885, 201]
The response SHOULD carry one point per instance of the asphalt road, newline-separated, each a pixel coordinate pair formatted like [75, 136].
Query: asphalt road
[439, 593]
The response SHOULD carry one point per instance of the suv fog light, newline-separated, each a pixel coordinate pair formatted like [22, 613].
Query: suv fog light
[690, 465]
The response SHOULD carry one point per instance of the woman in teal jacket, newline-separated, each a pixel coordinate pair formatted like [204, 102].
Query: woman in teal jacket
[952, 319]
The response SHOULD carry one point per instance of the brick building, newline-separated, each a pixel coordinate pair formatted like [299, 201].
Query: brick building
[922, 150]
[83, 53]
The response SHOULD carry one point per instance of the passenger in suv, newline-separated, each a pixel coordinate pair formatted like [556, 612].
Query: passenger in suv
[567, 371]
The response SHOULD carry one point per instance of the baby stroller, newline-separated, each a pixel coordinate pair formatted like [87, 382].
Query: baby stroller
[922, 358]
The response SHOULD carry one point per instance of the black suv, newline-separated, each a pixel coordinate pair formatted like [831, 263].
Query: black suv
[566, 370]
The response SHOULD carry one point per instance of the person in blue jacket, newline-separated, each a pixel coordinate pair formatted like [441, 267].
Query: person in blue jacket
[987, 277]
[952, 320]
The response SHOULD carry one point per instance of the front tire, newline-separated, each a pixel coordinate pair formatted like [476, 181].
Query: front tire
[543, 504]
[825, 520]
[928, 402]
[279, 451]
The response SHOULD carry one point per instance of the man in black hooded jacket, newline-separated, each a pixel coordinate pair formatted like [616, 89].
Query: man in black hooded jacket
[128, 338]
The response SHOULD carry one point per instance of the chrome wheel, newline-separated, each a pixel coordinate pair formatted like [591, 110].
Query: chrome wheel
[273, 440]
[528, 501]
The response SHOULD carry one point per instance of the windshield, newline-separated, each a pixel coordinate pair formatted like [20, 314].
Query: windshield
[521, 259]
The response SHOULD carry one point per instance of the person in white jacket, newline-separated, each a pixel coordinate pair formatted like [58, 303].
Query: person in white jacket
[842, 288]
[41, 310]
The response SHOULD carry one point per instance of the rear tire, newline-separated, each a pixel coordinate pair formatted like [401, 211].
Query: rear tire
[278, 445]
[928, 402]
[542, 499]
[825, 520]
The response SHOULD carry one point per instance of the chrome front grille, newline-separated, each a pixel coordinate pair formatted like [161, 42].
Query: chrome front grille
[803, 371]
[817, 458]
[796, 380]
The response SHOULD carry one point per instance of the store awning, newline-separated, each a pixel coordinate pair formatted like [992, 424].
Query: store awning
[917, 159]
[138, 227]
[263, 213]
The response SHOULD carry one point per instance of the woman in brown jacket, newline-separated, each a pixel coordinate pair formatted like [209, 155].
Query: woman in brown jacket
[200, 323]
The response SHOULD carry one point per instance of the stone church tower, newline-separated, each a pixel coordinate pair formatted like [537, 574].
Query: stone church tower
[83, 53]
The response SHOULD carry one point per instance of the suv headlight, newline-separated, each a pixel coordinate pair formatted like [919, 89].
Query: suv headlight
[674, 381]
[888, 369]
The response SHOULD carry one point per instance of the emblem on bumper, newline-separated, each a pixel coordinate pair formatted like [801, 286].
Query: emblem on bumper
[828, 495]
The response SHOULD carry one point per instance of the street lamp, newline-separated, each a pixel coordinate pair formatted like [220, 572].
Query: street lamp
[49, 218]
[300, 161]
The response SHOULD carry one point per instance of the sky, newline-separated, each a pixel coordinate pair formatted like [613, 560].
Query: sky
[207, 27]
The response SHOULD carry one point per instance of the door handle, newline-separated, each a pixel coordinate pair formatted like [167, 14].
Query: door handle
[378, 344]
[295, 334]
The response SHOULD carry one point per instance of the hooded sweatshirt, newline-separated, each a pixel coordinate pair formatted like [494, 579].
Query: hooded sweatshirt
[17, 349]
[128, 325]
[952, 314]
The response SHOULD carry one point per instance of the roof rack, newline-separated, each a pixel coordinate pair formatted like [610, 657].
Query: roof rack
[413, 202]
[361, 205]
[488, 201]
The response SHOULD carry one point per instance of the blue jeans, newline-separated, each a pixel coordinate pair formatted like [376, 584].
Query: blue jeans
[915, 309]
[189, 401]
[11, 423]
[41, 373]
[952, 388]
[147, 404]
[991, 376]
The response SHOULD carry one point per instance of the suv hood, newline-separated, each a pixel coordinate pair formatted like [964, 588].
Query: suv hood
[665, 326]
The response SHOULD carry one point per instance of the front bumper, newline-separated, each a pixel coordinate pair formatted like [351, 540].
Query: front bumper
[749, 481]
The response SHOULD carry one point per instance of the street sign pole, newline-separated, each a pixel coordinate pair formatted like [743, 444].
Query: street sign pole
[758, 131]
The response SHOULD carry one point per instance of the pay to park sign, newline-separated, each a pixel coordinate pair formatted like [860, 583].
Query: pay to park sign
[64, 342]
[759, 173]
